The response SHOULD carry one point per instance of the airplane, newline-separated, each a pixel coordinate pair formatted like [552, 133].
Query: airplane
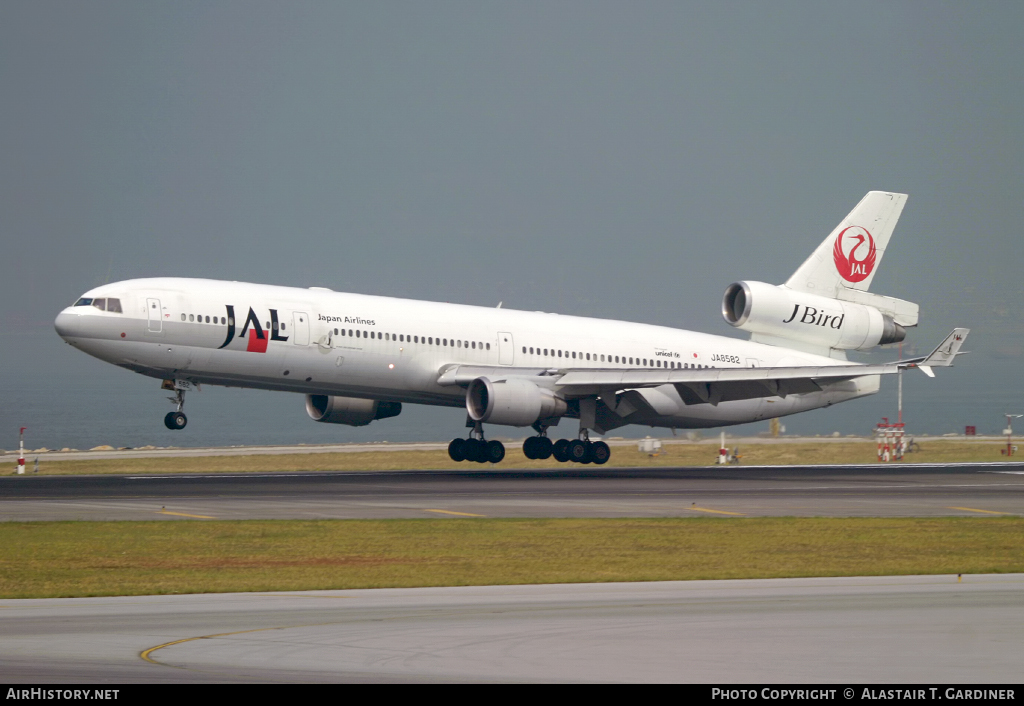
[358, 358]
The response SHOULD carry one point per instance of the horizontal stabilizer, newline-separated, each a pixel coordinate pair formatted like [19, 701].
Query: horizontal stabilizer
[947, 351]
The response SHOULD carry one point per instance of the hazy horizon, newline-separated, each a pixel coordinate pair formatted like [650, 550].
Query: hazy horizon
[598, 159]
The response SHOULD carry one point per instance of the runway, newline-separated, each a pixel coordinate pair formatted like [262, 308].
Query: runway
[876, 491]
[916, 629]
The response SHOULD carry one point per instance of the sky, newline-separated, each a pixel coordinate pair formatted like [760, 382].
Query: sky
[609, 159]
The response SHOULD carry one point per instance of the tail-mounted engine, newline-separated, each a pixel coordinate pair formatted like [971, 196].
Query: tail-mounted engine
[349, 410]
[822, 321]
[517, 403]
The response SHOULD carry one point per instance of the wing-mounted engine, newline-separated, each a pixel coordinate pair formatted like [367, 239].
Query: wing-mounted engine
[354, 412]
[780, 312]
[514, 401]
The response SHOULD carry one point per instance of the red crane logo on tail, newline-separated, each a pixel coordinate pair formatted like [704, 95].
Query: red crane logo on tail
[849, 267]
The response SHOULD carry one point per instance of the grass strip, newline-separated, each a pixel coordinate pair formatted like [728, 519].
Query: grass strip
[622, 457]
[60, 559]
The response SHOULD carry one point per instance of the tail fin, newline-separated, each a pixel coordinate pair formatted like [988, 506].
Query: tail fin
[849, 257]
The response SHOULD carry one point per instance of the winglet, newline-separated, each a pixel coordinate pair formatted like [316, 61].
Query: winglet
[947, 351]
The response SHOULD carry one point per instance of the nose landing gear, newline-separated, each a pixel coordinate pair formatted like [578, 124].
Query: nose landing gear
[177, 419]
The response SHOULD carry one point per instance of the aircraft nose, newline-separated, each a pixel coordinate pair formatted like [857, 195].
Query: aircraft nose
[67, 324]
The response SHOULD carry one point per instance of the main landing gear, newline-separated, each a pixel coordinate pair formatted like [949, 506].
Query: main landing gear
[476, 448]
[176, 420]
[581, 450]
[578, 450]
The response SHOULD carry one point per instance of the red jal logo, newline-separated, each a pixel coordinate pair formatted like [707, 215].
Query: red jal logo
[849, 267]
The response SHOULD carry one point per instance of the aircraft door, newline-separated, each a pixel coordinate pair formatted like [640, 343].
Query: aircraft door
[154, 315]
[506, 348]
[300, 328]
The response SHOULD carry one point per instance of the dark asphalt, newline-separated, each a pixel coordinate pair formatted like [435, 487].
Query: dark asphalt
[970, 489]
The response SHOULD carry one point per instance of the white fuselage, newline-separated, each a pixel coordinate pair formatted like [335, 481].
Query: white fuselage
[316, 341]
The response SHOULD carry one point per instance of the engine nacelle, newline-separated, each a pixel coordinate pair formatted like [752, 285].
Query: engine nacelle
[517, 403]
[785, 313]
[331, 409]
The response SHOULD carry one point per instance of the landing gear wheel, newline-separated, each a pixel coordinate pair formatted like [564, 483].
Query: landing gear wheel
[589, 458]
[482, 451]
[456, 450]
[530, 447]
[175, 420]
[560, 450]
[577, 451]
[600, 453]
[543, 447]
[495, 452]
[472, 449]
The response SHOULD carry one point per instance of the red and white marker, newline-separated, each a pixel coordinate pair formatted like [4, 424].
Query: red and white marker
[21, 451]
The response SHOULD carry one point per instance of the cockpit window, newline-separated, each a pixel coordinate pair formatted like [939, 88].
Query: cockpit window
[108, 304]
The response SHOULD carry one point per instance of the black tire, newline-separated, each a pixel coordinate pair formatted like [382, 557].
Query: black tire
[589, 456]
[577, 451]
[482, 451]
[472, 449]
[175, 420]
[495, 451]
[530, 447]
[600, 453]
[543, 447]
[560, 450]
[456, 450]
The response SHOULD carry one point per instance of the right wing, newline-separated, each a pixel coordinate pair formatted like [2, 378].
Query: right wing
[705, 385]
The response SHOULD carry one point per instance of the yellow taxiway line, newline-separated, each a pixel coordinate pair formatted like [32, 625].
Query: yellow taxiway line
[145, 654]
[452, 512]
[717, 512]
[183, 514]
[973, 509]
